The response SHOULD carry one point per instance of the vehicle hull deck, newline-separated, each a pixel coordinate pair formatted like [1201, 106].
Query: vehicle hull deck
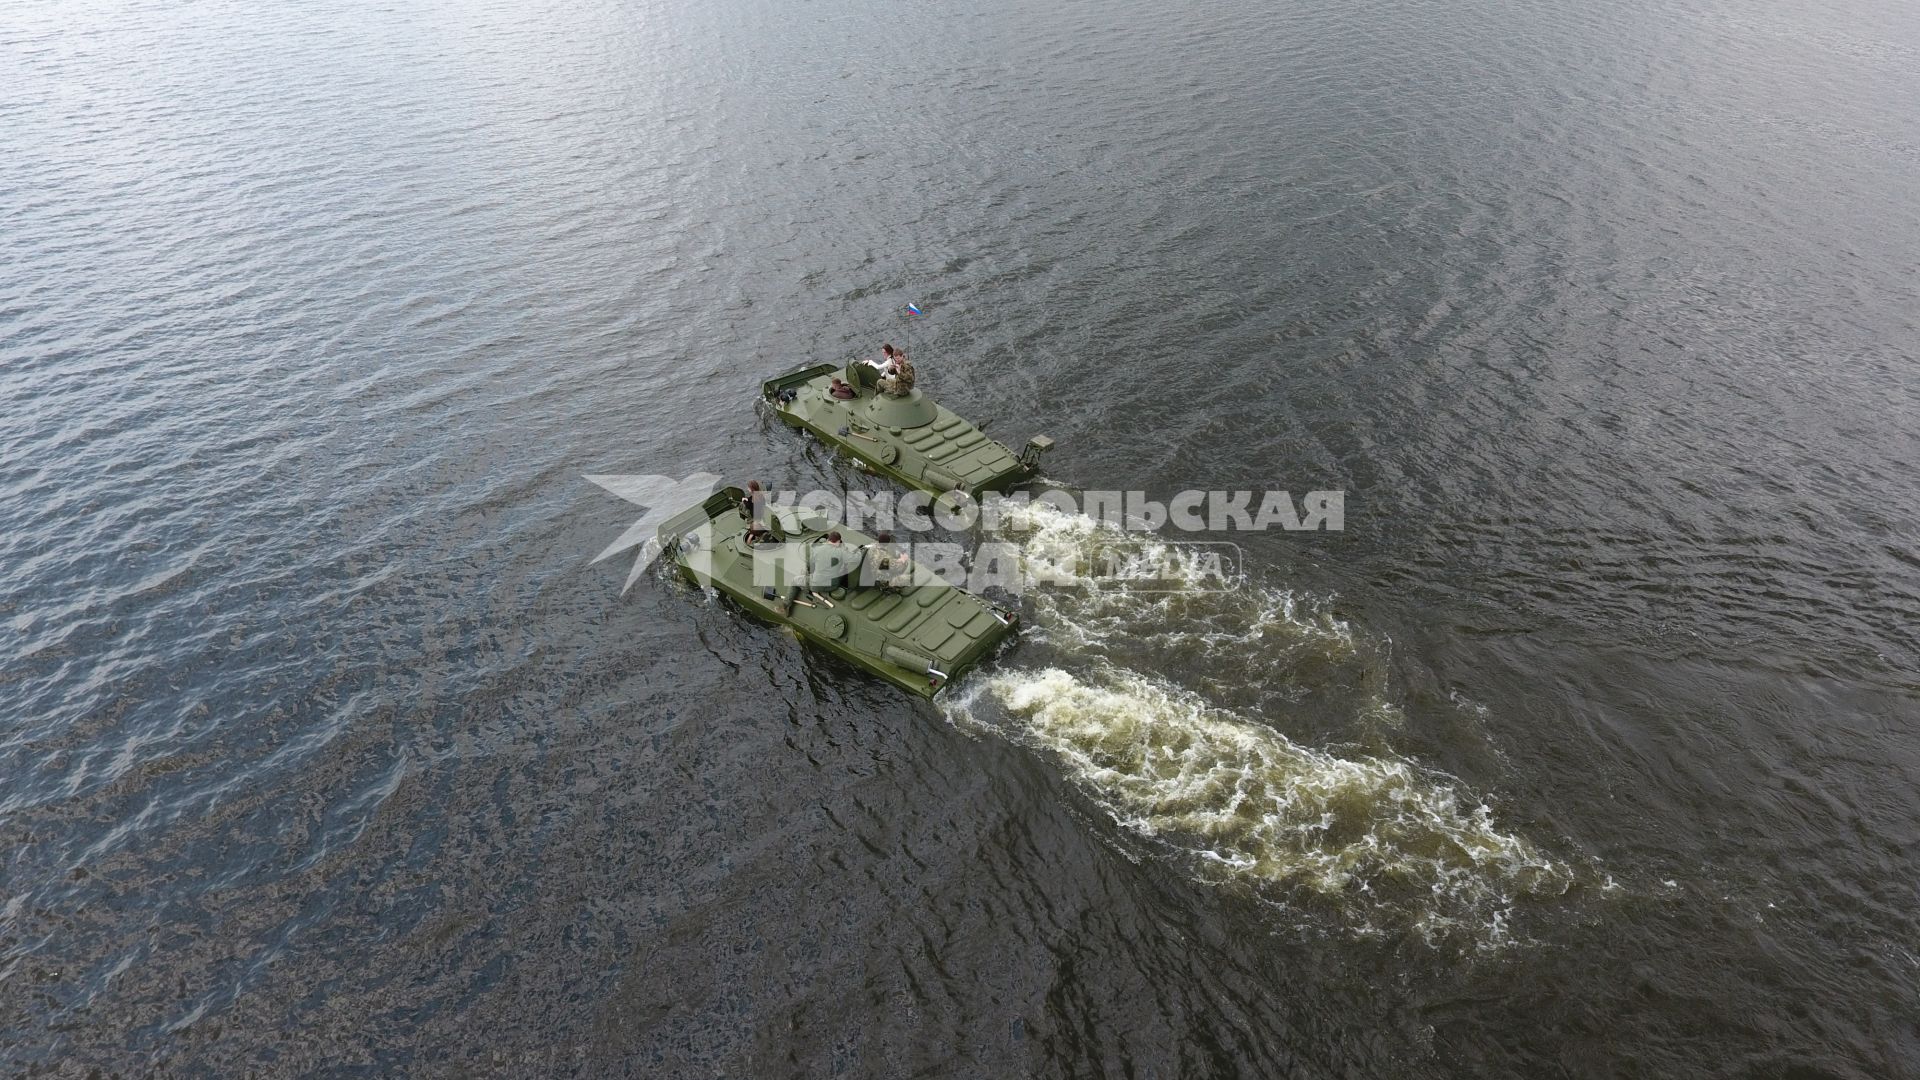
[920, 636]
[910, 438]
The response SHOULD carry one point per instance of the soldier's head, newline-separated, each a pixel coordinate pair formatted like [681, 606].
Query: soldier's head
[883, 536]
[833, 537]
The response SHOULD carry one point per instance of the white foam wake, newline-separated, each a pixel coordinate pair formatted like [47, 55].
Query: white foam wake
[1387, 842]
[1249, 805]
[1124, 584]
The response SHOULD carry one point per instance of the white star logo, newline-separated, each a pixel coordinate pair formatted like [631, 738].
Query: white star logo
[661, 497]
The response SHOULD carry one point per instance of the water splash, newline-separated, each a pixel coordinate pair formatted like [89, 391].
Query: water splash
[1247, 805]
[1390, 845]
[1125, 584]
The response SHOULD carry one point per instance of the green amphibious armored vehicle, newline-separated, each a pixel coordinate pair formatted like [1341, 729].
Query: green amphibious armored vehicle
[908, 437]
[858, 599]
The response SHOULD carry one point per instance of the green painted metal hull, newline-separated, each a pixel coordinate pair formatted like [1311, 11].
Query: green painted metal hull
[910, 439]
[921, 638]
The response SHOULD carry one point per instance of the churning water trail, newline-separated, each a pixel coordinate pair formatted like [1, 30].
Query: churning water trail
[1390, 846]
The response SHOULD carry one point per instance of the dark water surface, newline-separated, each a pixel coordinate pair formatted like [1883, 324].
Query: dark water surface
[1589, 748]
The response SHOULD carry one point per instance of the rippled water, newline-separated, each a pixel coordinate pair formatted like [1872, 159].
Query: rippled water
[1587, 749]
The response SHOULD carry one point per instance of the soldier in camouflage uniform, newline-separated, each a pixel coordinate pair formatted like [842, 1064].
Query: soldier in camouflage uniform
[886, 564]
[899, 377]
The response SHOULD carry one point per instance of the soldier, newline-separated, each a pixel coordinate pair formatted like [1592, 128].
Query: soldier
[886, 564]
[753, 507]
[830, 563]
[899, 377]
